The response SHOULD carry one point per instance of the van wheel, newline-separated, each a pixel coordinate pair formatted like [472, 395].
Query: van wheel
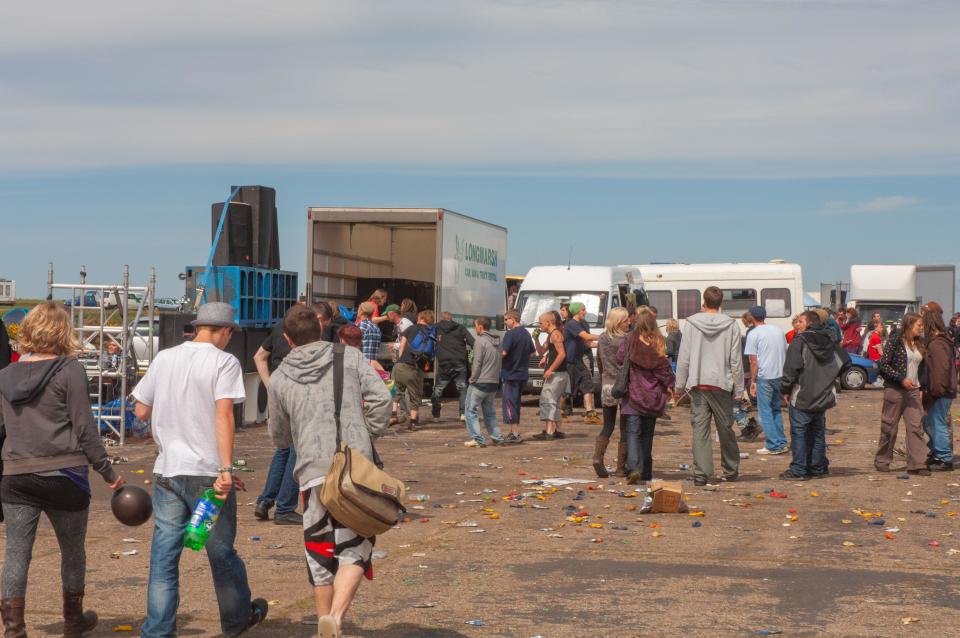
[854, 379]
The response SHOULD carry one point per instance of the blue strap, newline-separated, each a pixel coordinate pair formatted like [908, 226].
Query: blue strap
[201, 291]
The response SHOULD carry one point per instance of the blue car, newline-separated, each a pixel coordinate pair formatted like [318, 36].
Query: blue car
[862, 371]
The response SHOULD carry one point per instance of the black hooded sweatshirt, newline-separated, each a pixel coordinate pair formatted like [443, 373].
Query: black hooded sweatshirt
[814, 361]
[46, 419]
[454, 339]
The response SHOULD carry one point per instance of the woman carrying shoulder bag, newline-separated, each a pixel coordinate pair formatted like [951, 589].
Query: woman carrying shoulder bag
[900, 369]
[51, 439]
[650, 383]
[938, 380]
[618, 324]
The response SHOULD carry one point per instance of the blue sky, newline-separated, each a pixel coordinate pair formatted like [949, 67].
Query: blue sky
[822, 132]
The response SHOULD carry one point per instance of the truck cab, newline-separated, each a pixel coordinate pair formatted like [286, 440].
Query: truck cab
[598, 288]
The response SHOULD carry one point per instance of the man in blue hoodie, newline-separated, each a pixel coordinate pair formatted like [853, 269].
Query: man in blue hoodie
[710, 368]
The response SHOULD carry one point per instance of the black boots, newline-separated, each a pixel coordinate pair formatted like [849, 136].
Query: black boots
[12, 611]
[599, 449]
[76, 622]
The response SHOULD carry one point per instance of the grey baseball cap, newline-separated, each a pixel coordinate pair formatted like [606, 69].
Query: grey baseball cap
[216, 314]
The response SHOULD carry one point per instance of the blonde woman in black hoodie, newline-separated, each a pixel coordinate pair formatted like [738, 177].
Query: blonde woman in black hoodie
[50, 440]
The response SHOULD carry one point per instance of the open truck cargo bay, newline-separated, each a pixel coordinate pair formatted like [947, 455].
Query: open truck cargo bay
[441, 259]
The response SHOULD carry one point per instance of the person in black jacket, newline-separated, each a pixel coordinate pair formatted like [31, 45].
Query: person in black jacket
[814, 361]
[6, 354]
[451, 361]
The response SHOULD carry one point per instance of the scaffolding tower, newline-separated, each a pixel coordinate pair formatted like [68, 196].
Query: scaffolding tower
[105, 314]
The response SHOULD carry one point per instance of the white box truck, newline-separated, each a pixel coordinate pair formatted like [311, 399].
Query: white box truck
[443, 260]
[893, 290]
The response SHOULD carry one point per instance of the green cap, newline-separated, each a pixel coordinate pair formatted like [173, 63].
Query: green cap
[392, 308]
[575, 307]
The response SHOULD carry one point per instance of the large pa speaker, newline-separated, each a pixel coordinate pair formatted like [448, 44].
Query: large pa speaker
[235, 247]
[266, 237]
[175, 328]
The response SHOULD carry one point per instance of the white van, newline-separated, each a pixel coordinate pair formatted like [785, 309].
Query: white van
[598, 288]
[676, 290]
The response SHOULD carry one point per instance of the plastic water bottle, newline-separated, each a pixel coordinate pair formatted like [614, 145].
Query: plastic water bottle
[205, 515]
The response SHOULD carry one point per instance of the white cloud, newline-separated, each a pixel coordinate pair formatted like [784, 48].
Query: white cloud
[887, 204]
[826, 86]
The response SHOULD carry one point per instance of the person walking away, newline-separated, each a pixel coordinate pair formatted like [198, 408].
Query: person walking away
[900, 369]
[938, 383]
[710, 366]
[852, 337]
[555, 377]
[673, 340]
[482, 393]
[767, 348]
[371, 333]
[516, 348]
[451, 361]
[813, 363]
[832, 324]
[302, 401]
[617, 326]
[650, 381]
[408, 373]
[50, 440]
[577, 339]
[188, 393]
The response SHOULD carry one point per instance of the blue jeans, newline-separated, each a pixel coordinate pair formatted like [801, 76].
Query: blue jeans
[640, 430]
[768, 406]
[510, 398]
[808, 442]
[281, 488]
[173, 501]
[940, 430]
[482, 396]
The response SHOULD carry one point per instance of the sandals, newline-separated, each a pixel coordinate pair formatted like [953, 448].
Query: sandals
[327, 627]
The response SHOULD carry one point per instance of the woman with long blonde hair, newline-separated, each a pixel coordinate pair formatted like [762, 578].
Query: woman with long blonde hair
[650, 382]
[617, 326]
[50, 440]
[900, 369]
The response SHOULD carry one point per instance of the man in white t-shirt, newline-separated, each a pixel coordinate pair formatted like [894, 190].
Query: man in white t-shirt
[188, 393]
[767, 348]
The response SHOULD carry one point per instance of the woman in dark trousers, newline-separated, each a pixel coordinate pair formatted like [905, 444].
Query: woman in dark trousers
[900, 369]
[938, 381]
[618, 325]
[50, 440]
[650, 383]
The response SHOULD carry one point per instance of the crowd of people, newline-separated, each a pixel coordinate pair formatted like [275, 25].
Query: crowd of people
[50, 439]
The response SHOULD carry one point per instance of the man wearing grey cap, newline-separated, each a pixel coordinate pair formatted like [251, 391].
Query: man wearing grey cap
[188, 394]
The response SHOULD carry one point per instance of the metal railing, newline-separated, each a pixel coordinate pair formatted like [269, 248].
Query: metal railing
[105, 314]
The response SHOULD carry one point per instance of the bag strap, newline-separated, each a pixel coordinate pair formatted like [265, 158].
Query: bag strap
[338, 350]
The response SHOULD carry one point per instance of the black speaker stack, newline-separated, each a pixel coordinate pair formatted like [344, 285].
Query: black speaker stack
[250, 235]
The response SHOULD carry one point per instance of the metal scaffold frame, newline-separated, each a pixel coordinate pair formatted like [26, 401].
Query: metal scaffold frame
[129, 305]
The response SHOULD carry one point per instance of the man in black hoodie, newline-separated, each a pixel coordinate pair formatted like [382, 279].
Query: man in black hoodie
[451, 361]
[814, 361]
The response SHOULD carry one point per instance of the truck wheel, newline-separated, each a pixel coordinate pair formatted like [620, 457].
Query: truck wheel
[854, 379]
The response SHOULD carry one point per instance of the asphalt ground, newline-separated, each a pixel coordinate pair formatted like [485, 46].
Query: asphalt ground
[816, 562]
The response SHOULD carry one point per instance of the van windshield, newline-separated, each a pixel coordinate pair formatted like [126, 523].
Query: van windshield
[534, 303]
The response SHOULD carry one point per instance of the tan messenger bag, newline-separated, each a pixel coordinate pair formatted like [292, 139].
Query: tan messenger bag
[356, 492]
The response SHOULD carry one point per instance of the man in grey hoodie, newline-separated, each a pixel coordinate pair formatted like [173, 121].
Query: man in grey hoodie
[301, 403]
[484, 380]
[710, 368]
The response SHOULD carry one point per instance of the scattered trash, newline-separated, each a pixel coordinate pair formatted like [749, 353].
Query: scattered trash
[129, 552]
[255, 539]
[120, 628]
[130, 540]
[777, 495]
[379, 555]
[907, 620]
[744, 455]
[424, 605]
[849, 544]
[275, 546]
[468, 524]
[118, 460]
[903, 477]
[934, 543]
[767, 632]
[475, 623]
[554, 482]
[419, 498]
[696, 524]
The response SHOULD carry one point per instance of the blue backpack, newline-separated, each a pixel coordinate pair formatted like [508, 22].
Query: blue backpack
[424, 343]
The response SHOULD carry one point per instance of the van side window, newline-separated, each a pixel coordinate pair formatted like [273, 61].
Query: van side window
[662, 300]
[737, 301]
[688, 303]
[776, 301]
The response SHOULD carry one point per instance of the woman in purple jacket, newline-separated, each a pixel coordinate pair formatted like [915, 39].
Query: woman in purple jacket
[650, 383]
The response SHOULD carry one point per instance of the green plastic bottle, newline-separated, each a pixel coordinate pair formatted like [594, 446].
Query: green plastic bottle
[205, 515]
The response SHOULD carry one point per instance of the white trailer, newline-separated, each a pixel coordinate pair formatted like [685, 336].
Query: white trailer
[893, 290]
[8, 291]
[443, 260]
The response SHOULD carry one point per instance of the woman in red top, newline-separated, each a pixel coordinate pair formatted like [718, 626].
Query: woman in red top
[875, 343]
[793, 333]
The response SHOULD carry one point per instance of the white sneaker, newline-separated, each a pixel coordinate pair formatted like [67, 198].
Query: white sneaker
[770, 452]
[473, 443]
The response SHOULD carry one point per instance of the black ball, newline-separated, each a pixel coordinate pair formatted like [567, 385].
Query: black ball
[132, 505]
